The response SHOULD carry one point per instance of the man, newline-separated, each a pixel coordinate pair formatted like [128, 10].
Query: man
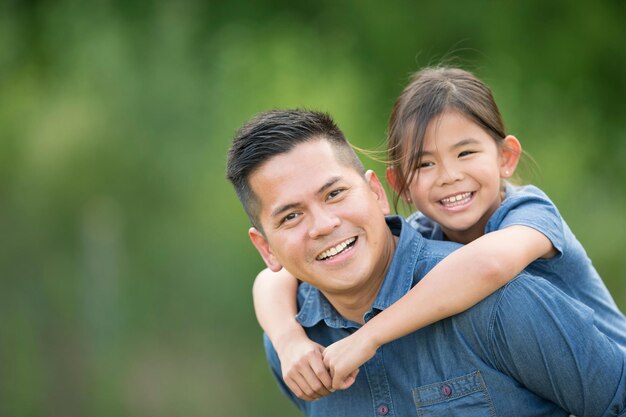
[527, 350]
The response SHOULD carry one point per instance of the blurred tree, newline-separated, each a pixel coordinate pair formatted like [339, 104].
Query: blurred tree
[125, 266]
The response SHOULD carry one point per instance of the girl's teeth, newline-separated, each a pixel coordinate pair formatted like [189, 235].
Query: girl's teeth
[455, 198]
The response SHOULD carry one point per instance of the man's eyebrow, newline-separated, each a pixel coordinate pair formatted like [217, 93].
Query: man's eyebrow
[328, 184]
[286, 207]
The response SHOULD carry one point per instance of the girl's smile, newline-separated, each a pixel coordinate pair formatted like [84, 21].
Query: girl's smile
[458, 201]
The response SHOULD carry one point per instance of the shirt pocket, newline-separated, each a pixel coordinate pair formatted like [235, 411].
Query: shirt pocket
[464, 396]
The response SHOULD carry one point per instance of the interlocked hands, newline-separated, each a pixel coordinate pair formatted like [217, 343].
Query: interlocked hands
[312, 372]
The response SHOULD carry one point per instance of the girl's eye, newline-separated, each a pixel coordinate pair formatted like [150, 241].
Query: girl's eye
[465, 153]
[425, 165]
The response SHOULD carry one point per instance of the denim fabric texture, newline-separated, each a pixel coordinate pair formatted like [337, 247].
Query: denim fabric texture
[570, 270]
[527, 350]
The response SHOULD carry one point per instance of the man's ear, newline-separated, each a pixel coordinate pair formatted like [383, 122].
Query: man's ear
[261, 245]
[379, 190]
[510, 154]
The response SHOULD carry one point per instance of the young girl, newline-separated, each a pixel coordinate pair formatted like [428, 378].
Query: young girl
[450, 157]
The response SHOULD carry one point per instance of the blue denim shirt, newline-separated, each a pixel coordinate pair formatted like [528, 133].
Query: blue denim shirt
[570, 270]
[527, 350]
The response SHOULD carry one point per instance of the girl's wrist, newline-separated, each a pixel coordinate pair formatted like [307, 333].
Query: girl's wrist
[369, 336]
[289, 335]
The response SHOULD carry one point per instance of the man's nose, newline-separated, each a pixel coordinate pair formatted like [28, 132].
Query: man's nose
[323, 222]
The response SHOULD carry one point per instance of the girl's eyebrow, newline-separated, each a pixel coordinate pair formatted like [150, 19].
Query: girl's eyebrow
[459, 144]
[465, 142]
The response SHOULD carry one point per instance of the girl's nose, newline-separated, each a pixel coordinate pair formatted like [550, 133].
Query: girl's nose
[449, 174]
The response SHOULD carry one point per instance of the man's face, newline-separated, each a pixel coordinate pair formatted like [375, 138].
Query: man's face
[323, 221]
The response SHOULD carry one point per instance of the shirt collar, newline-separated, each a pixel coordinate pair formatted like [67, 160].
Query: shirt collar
[314, 307]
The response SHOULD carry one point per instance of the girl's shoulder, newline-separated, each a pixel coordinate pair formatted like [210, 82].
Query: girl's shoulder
[525, 205]
[524, 192]
[525, 196]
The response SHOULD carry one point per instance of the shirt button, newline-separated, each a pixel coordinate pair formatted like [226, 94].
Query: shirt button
[446, 390]
[382, 410]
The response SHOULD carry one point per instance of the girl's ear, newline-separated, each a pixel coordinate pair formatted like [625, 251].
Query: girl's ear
[392, 178]
[261, 245]
[510, 154]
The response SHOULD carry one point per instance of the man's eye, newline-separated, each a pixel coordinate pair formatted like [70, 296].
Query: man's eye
[335, 193]
[290, 217]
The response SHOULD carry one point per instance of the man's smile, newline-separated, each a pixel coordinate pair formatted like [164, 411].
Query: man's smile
[337, 249]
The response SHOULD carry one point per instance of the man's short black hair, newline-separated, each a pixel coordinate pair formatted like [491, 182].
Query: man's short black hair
[273, 133]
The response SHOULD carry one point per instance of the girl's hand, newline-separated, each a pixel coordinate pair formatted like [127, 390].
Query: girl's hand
[344, 357]
[303, 368]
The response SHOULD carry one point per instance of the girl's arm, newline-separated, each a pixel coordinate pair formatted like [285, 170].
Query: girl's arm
[303, 369]
[461, 280]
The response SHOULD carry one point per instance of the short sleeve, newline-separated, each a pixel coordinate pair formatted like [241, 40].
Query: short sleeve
[548, 343]
[529, 206]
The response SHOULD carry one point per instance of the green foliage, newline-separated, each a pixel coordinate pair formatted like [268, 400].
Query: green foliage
[125, 267]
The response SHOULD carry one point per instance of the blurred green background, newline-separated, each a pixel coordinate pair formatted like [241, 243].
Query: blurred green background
[125, 266]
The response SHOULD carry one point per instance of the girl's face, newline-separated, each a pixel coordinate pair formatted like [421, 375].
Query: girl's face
[458, 182]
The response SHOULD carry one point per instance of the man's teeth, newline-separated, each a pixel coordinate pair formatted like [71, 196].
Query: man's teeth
[335, 250]
[456, 199]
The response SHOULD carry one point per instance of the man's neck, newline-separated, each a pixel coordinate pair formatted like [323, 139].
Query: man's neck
[356, 303]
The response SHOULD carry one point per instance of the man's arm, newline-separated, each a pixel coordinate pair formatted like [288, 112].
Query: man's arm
[548, 342]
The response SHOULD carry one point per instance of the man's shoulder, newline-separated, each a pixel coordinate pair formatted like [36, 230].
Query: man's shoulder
[439, 248]
[414, 249]
[424, 226]
[521, 302]
[522, 305]
[420, 230]
[504, 318]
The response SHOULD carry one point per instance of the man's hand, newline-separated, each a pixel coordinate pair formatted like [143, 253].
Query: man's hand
[344, 357]
[303, 368]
